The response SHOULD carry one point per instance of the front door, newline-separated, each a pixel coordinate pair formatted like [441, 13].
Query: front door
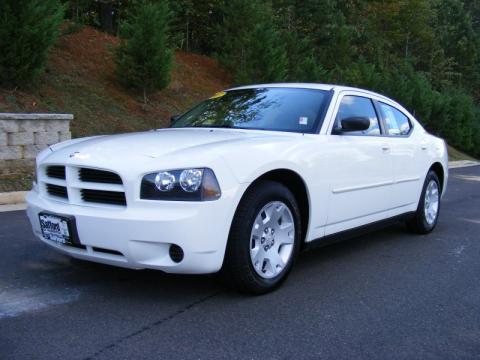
[361, 173]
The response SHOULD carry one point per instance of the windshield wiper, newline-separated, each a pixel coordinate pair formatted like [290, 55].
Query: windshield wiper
[224, 126]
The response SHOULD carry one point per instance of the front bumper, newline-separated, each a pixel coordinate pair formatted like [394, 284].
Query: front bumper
[140, 237]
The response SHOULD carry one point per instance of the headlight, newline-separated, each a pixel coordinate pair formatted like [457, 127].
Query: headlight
[199, 184]
[191, 179]
[164, 181]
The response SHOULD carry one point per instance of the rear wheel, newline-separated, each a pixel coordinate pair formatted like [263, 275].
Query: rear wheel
[426, 216]
[264, 238]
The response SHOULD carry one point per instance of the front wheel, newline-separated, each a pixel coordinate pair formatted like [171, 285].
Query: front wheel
[264, 239]
[426, 216]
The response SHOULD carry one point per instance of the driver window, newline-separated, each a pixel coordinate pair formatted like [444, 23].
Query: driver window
[357, 106]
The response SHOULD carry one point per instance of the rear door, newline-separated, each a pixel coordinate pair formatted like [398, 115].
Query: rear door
[360, 173]
[407, 155]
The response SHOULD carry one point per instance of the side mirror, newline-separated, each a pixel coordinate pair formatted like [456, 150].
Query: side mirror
[174, 118]
[355, 123]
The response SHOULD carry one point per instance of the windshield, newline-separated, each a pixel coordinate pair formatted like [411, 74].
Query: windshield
[279, 109]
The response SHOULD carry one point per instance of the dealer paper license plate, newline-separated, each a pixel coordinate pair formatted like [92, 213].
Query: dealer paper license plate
[55, 228]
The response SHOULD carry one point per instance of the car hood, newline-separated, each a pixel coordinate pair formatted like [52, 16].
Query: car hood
[145, 147]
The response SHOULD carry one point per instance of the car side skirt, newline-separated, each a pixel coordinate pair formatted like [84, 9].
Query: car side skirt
[357, 231]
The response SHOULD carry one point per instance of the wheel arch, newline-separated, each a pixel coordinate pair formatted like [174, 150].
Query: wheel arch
[437, 167]
[296, 184]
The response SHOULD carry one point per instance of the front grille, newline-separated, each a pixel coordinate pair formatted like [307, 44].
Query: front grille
[104, 197]
[58, 191]
[99, 176]
[84, 185]
[56, 171]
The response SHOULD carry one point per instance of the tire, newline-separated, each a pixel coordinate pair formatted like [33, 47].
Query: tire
[266, 224]
[424, 222]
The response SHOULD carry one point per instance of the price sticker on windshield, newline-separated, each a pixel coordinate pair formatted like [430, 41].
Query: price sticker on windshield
[218, 95]
[303, 120]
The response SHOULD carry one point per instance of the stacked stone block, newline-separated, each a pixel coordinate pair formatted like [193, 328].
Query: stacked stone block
[22, 136]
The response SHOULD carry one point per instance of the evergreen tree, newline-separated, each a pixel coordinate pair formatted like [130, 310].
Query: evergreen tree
[266, 57]
[28, 29]
[323, 24]
[459, 41]
[194, 24]
[303, 65]
[144, 58]
[249, 43]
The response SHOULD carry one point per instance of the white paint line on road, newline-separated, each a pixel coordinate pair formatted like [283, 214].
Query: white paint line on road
[462, 163]
[459, 250]
[467, 177]
[475, 221]
[14, 302]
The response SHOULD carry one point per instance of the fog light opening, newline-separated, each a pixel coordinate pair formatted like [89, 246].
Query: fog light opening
[176, 253]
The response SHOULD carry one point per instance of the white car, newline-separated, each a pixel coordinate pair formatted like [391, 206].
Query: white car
[242, 182]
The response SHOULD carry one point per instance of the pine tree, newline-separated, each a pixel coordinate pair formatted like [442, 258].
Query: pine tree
[144, 57]
[303, 65]
[455, 33]
[267, 60]
[28, 29]
[249, 43]
[194, 24]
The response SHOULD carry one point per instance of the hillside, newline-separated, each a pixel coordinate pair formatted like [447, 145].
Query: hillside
[79, 79]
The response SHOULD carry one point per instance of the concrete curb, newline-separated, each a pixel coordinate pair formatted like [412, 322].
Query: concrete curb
[14, 207]
[17, 198]
[14, 197]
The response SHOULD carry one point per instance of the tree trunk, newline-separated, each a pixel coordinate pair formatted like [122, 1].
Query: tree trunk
[188, 31]
[407, 43]
[106, 17]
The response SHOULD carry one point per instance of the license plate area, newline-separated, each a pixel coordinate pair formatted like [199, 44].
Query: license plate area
[58, 228]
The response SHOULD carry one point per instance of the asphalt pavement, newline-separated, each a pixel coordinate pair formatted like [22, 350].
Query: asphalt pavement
[385, 295]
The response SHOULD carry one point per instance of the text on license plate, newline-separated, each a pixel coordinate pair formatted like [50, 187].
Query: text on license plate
[55, 228]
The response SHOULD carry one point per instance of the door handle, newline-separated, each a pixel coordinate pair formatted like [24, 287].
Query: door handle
[385, 148]
[424, 147]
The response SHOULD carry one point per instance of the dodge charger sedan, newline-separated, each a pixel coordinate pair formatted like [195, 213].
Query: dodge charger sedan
[241, 183]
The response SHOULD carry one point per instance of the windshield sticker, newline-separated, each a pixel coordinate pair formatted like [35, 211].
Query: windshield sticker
[218, 95]
[303, 120]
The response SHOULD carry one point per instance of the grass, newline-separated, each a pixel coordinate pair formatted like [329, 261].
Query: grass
[455, 155]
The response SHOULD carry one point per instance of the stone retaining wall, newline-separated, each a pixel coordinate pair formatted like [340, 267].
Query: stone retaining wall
[22, 136]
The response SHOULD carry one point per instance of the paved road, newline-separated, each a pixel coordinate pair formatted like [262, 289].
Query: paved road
[388, 295]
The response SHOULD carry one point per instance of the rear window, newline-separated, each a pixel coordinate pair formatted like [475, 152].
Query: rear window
[396, 121]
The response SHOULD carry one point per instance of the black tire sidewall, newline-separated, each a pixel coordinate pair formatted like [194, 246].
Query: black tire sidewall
[238, 253]
[421, 218]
